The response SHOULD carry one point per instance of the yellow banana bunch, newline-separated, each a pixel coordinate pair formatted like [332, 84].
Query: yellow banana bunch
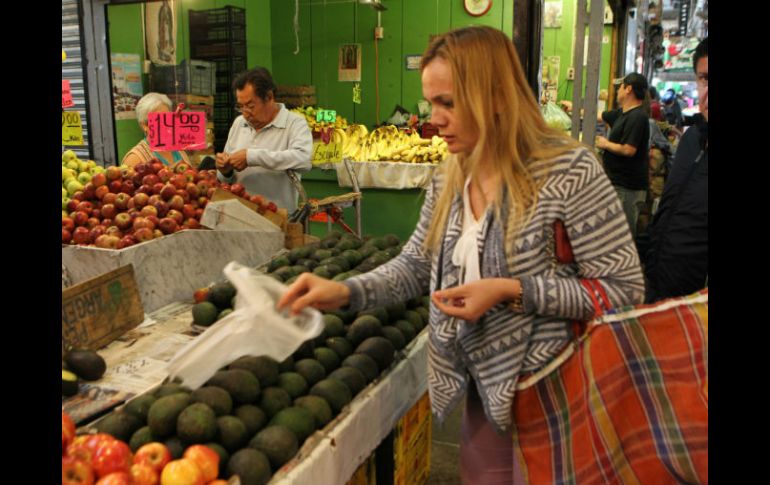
[388, 143]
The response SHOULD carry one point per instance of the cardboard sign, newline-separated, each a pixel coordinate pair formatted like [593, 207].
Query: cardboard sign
[71, 129]
[66, 94]
[97, 311]
[326, 153]
[177, 131]
[327, 115]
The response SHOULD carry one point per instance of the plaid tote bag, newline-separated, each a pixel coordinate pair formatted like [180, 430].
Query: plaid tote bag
[625, 403]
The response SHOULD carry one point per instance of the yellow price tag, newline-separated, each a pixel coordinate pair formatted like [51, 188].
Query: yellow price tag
[71, 129]
[326, 153]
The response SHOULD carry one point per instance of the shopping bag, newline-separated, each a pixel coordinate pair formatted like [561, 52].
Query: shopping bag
[555, 117]
[627, 403]
[255, 327]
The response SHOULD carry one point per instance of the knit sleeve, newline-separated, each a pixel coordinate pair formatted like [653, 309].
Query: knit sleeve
[601, 243]
[403, 277]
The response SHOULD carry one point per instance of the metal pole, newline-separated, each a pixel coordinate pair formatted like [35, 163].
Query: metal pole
[577, 94]
[595, 30]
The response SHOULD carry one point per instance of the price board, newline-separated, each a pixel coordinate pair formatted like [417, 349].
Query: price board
[169, 131]
[71, 129]
[326, 115]
[66, 94]
[326, 152]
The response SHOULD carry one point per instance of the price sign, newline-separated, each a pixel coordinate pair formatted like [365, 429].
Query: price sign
[357, 93]
[71, 129]
[326, 115]
[66, 94]
[326, 152]
[177, 131]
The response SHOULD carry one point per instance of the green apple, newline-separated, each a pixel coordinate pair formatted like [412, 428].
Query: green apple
[66, 174]
[82, 166]
[97, 169]
[73, 165]
[64, 202]
[67, 156]
[84, 177]
[64, 193]
[73, 186]
[91, 164]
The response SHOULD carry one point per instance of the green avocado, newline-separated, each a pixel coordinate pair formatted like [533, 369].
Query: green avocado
[378, 348]
[197, 423]
[119, 424]
[86, 364]
[278, 443]
[251, 466]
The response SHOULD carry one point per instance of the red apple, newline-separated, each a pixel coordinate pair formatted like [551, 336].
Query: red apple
[151, 180]
[182, 472]
[176, 215]
[79, 448]
[107, 223]
[257, 199]
[157, 188]
[128, 187]
[203, 187]
[101, 191]
[112, 456]
[144, 189]
[80, 218]
[161, 207]
[72, 205]
[154, 454]
[97, 213]
[198, 213]
[143, 222]
[107, 242]
[92, 222]
[201, 294]
[141, 199]
[176, 202]
[113, 231]
[116, 186]
[68, 224]
[141, 169]
[188, 211]
[85, 207]
[144, 475]
[181, 167]
[149, 210]
[167, 225]
[154, 220]
[184, 195]
[109, 211]
[109, 198]
[165, 175]
[66, 236]
[153, 199]
[203, 201]
[113, 173]
[167, 192]
[217, 482]
[94, 441]
[157, 233]
[156, 166]
[193, 190]
[116, 478]
[123, 221]
[143, 234]
[99, 180]
[67, 431]
[272, 207]
[131, 204]
[97, 231]
[206, 459]
[133, 213]
[192, 224]
[126, 241]
[237, 189]
[179, 181]
[89, 191]
[121, 201]
[194, 203]
[190, 175]
[75, 471]
[211, 191]
[78, 196]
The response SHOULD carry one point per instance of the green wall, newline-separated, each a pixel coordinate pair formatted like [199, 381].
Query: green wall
[560, 42]
[408, 25]
[126, 36]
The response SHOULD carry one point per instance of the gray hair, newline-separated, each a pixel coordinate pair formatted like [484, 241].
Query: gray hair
[147, 105]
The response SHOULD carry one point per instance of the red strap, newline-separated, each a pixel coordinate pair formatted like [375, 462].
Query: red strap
[597, 306]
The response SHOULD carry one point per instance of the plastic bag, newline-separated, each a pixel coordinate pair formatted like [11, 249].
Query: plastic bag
[255, 327]
[555, 117]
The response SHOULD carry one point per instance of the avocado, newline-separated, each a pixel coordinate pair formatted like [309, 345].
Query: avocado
[286, 366]
[378, 242]
[340, 345]
[407, 329]
[140, 406]
[362, 328]
[251, 466]
[426, 301]
[69, 383]
[327, 271]
[221, 295]
[273, 400]
[141, 437]
[86, 364]
[328, 358]
[308, 263]
[395, 311]
[378, 348]
[299, 269]
[298, 419]
[341, 277]
[329, 243]
[393, 252]
[278, 443]
[252, 417]
[415, 319]
[215, 397]
[346, 316]
[395, 336]
[293, 383]
[242, 385]
[424, 313]
[276, 277]
[231, 433]
[197, 423]
[311, 370]
[119, 424]
[336, 393]
[380, 313]
[205, 313]
[305, 351]
[286, 272]
[333, 325]
[164, 412]
[347, 244]
[318, 407]
[391, 240]
[297, 253]
[339, 261]
[321, 254]
[320, 339]
[414, 302]
[264, 368]
[353, 256]
[224, 313]
[175, 446]
[352, 377]
[171, 388]
[366, 251]
[224, 456]
[363, 362]
[278, 262]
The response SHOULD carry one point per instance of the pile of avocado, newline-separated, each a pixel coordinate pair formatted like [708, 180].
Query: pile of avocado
[80, 364]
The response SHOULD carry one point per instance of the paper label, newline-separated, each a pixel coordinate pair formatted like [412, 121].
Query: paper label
[326, 153]
[357, 93]
[66, 94]
[177, 131]
[71, 129]
[326, 115]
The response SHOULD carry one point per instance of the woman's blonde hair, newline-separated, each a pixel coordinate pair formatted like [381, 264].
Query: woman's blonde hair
[492, 97]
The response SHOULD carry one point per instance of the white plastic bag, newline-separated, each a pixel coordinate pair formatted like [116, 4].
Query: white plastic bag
[555, 117]
[255, 327]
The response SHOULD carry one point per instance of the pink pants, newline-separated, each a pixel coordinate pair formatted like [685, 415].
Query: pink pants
[486, 458]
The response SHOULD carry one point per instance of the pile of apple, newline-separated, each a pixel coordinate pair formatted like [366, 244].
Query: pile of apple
[118, 207]
[100, 459]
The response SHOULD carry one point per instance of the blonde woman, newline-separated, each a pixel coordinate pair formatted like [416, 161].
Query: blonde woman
[142, 153]
[489, 245]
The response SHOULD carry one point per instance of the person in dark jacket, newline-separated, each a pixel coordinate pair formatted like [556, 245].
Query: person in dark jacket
[676, 262]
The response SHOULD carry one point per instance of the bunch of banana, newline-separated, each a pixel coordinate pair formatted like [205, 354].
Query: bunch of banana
[355, 135]
[388, 143]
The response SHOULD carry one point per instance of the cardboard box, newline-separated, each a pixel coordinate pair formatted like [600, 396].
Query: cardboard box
[230, 215]
[171, 268]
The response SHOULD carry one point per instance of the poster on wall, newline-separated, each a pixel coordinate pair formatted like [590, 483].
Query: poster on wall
[553, 9]
[551, 67]
[350, 62]
[126, 85]
[160, 32]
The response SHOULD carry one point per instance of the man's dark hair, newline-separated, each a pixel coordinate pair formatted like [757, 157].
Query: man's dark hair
[259, 78]
[701, 51]
[638, 85]
[653, 93]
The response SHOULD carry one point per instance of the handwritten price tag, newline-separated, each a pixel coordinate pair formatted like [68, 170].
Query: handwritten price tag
[326, 153]
[177, 131]
[66, 94]
[327, 115]
[71, 129]
[357, 93]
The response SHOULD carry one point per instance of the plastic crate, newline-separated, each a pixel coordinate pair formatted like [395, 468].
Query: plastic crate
[230, 65]
[189, 77]
[224, 49]
[217, 16]
[236, 33]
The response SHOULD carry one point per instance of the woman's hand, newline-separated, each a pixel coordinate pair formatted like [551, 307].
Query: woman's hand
[471, 301]
[314, 291]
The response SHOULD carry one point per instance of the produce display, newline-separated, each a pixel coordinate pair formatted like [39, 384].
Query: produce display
[388, 143]
[118, 207]
[311, 116]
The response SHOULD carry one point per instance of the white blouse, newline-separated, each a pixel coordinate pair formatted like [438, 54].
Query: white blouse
[466, 252]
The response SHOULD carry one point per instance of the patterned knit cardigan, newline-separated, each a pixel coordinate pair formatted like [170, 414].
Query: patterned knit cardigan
[504, 344]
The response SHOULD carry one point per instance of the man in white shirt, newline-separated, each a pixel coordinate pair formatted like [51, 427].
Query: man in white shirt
[266, 143]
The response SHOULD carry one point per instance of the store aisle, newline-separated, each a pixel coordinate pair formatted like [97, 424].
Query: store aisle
[445, 450]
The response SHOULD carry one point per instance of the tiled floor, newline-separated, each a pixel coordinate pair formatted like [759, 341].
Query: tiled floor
[444, 453]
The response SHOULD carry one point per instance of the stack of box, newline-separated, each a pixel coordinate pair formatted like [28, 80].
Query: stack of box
[296, 96]
[411, 445]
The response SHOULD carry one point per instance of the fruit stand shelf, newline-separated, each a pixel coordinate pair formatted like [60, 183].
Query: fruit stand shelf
[387, 175]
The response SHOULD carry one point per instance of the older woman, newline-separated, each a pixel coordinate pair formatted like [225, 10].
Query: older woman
[142, 153]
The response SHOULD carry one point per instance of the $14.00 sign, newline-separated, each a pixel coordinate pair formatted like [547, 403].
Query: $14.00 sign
[177, 131]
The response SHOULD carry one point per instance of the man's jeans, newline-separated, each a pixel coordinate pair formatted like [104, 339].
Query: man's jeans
[632, 202]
